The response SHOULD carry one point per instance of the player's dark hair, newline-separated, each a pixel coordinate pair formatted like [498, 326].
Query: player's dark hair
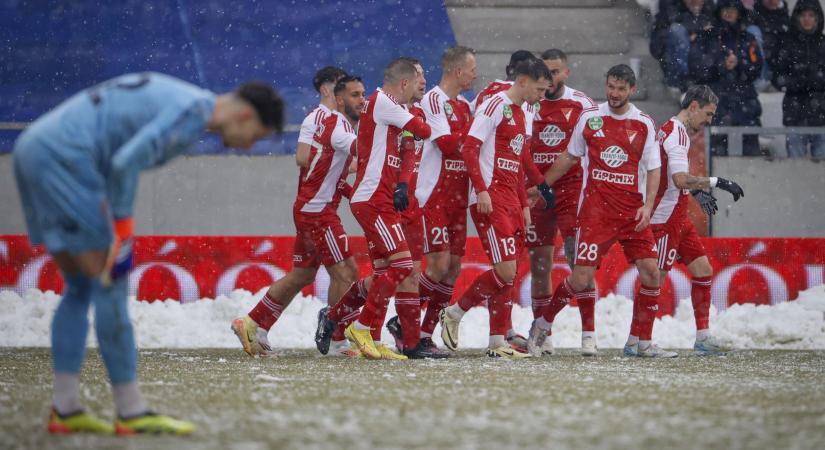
[622, 72]
[454, 56]
[265, 100]
[328, 74]
[398, 69]
[701, 94]
[533, 68]
[554, 53]
[341, 85]
[517, 57]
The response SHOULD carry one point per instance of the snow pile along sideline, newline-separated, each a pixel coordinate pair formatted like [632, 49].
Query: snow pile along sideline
[800, 324]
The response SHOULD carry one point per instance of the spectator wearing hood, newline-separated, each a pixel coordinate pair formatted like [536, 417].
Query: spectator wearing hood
[800, 72]
[676, 27]
[728, 59]
[771, 16]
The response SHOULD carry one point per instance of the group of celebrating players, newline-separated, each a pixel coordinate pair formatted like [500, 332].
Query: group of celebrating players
[530, 157]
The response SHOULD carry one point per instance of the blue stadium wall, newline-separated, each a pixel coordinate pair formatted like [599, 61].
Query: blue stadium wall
[52, 49]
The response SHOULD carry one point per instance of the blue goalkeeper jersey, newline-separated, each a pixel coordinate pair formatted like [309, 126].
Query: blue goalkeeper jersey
[126, 125]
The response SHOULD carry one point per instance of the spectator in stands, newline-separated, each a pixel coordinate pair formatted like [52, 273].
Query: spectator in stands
[678, 24]
[770, 18]
[727, 58]
[800, 71]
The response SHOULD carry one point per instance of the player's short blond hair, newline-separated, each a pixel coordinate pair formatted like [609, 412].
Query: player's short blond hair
[399, 69]
[454, 57]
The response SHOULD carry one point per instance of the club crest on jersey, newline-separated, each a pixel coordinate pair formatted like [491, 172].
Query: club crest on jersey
[508, 112]
[448, 108]
[552, 135]
[595, 123]
[614, 156]
[566, 112]
[517, 143]
[631, 135]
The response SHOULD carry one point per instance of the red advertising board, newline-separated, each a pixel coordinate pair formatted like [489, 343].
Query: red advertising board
[187, 268]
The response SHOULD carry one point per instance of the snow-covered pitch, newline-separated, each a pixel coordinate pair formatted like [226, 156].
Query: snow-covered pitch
[799, 324]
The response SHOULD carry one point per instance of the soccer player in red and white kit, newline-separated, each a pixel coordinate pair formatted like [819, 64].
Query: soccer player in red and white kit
[620, 162]
[675, 234]
[518, 341]
[492, 152]
[372, 202]
[553, 124]
[406, 326]
[443, 187]
[320, 236]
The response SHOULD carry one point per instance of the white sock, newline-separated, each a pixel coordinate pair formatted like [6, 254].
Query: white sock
[423, 335]
[543, 324]
[361, 326]
[455, 312]
[66, 397]
[644, 345]
[129, 401]
[632, 340]
[701, 335]
[497, 341]
[589, 334]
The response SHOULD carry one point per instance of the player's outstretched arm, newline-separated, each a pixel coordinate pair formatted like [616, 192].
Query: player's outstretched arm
[561, 166]
[686, 181]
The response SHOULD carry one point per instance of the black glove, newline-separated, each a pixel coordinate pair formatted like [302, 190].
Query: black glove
[730, 186]
[548, 194]
[399, 197]
[706, 200]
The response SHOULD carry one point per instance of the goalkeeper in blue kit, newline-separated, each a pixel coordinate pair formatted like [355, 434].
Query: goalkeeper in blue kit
[77, 170]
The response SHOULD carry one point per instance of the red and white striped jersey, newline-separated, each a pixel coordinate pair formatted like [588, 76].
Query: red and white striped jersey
[379, 131]
[499, 86]
[445, 181]
[502, 130]
[333, 145]
[617, 152]
[311, 122]
[553, 125]
[672, 202]
[417, 148]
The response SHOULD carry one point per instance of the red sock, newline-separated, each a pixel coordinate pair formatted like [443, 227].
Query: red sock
[440, 299]
[378, 322]
[383, 287]
[700, 297]
[501, 309]
[510, 293]
[426, 288]
[538, 303]
[648, 300]
[561, 297]
[351, 301]
[266, 312]
[483, 288]
[586, 300]
[634, 320]
[408, 307]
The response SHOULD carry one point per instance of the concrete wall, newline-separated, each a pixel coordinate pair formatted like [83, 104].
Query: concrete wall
[782, 198]
[234, 195]
[204, 195]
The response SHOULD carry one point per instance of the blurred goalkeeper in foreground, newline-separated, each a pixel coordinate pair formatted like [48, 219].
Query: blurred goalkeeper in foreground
[77, 170]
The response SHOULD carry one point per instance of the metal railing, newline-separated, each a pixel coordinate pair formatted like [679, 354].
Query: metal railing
[736, 134]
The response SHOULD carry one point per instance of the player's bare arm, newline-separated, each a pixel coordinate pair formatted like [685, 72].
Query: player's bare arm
[302, 154]
[561, 166]
[644, 212]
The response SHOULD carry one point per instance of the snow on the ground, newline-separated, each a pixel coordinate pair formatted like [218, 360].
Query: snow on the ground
[800, 324]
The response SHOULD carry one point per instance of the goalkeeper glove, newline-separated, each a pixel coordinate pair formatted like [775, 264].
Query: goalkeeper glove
[706, 200]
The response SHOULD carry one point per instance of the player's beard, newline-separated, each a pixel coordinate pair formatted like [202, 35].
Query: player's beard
[352, 114]
[619, 105]
[552, 93]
